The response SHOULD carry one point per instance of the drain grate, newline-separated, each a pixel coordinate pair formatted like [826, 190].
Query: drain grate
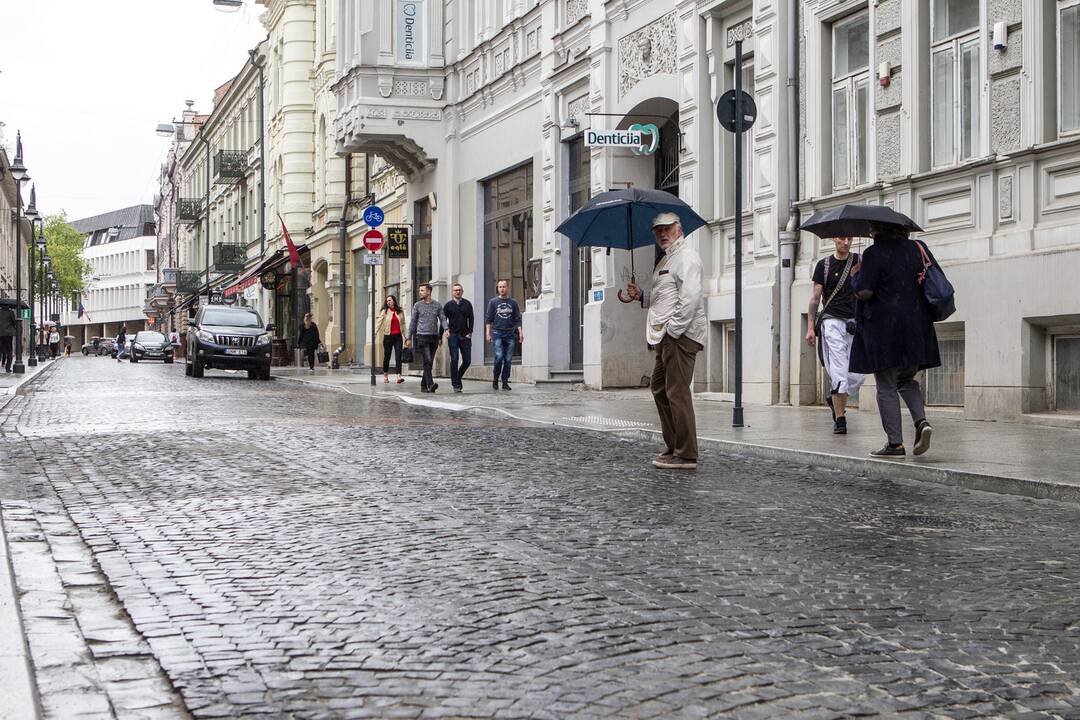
[606, 422]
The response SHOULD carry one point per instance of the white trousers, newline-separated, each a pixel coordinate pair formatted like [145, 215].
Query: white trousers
[836, 349]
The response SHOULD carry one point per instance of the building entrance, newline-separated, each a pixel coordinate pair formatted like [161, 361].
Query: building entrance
[580, 258]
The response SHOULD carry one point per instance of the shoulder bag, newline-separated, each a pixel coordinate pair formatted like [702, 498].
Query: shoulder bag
[937, 289]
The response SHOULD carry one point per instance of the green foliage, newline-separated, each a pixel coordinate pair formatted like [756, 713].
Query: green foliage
[64, 245]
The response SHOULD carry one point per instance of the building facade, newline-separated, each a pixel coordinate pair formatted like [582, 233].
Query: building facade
[961, 113]
[9, 242]
[121, 249]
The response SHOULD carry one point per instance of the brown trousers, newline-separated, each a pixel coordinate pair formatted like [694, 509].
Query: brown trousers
[670, 385]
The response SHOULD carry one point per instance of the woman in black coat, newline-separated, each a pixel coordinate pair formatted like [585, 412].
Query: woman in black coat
[308, 340]
[895, 336]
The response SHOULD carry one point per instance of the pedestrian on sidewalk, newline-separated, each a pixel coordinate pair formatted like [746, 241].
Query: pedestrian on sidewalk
[895, 335]
[174, 340]
[503, 327]
[459, 321]
[8, 328]
[676, 329]
[390, 326]
[308, 340]
[425, 329]
[833, 328]
[54, 342]
[121, 343]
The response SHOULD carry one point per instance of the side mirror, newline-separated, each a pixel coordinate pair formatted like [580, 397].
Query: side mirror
[269, 327]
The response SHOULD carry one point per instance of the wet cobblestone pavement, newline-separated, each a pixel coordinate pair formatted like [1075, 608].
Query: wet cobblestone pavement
[264, 550]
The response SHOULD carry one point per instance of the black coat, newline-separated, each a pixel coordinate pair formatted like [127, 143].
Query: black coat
[895, 329]
[7, 322]
[308, 339]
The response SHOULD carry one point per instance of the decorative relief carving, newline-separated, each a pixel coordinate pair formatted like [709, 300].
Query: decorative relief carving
[647, 52]
[411, 87]
[577, 108]
[575, 10]
[416, 114]
[1005, 197]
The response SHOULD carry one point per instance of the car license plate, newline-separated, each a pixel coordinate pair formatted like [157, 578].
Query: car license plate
[235, 351]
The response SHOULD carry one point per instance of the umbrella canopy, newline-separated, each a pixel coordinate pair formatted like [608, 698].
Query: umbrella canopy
[854, 221]
[623, 218]
[69, 337]
[10, 302]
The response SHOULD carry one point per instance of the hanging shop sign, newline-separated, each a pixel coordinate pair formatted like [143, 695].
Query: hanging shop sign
[397, 242]
[409, 31]
[642, 139]
[269, 279]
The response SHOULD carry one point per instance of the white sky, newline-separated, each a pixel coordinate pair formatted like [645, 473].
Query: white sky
[88, 80]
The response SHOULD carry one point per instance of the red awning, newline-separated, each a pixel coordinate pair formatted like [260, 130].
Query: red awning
[241, 286]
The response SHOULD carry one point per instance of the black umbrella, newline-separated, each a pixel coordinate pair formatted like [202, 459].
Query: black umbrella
[855, 220]
[10, 302]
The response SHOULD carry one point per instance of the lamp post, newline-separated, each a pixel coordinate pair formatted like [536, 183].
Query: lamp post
[46, 263]
[32, 215]
[20, 175]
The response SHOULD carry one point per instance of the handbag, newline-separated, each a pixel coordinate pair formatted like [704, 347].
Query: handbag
[322, 355]
[937, 289]
[407, 355]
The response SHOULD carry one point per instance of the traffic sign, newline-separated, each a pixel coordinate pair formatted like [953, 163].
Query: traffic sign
[373, 259]
[373, 240]
[24, 314]
[725, 110]
[374, 216]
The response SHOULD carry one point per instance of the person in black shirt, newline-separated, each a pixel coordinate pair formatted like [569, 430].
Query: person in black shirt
[459, 318]
[830, 327]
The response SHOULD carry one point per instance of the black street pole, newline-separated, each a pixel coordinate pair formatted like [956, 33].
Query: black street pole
[18, 173]
[737, 412]
[372, 288]
[31, 355]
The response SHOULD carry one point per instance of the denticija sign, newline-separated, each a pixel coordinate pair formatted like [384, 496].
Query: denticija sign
[409, 31]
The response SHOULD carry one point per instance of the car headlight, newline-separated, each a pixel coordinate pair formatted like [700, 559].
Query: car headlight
[205, 336]
[263, 339]
[138, 346]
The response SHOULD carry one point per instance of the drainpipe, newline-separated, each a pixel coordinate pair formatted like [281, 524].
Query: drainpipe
[343, 241]
[789, 236]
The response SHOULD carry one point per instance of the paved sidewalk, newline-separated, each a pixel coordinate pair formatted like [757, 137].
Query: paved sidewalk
[10, 382]
[1012, 458]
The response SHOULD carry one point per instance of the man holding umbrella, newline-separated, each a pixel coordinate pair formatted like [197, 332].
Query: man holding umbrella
[676, 330]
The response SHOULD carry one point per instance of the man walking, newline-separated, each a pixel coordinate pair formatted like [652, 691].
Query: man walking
[8, 328]
[425, 329]
[676, 329]
[503, 326]
[459, 320]
[833, 328]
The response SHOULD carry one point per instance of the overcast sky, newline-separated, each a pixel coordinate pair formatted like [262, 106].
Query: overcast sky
[88, 80]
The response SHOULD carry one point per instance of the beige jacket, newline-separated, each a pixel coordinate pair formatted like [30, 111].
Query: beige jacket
[382, 323]
[676, 299]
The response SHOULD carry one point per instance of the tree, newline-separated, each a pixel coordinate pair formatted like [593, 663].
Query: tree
[64, 245]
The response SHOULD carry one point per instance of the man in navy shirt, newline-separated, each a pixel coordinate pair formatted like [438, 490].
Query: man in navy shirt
[503, 322]
[459, 319]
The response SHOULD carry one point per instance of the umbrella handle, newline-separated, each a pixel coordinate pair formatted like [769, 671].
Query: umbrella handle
[633, 279]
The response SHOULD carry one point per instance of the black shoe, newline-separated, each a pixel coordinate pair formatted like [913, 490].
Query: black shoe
[506, 386]
[433, 388]
[828, 401]
[923, 431]
[457, 390]
[840, 426]
[494, 384]
[889, 451]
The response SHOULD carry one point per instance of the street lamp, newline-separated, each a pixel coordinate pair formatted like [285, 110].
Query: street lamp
[228, 5]
[20, 175]
[32, 215]
[44, 264]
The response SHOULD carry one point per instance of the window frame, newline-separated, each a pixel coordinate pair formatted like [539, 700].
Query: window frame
[850, 83]
[1059, 11]
[956, 43]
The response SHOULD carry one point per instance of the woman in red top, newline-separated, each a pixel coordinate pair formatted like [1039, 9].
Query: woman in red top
[390, 325]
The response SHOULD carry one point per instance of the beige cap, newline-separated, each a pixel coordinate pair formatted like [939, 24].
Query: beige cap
[665, 218]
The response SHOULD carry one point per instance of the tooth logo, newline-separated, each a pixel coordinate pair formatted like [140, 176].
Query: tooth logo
[653, 132]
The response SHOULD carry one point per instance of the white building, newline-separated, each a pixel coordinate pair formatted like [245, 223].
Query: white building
[121, 249]
[961, 113]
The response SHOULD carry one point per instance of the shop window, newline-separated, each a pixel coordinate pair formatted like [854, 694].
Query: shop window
[508, 229]
[955, 86]
[149, 259]
[1069, 67]
[945, 383]
[421, 250]
[392, 280]
[851, 102]
[1066, 372]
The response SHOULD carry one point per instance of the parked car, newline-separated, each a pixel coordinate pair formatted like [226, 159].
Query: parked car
[222, 337]
[151, 345]
[100, 346]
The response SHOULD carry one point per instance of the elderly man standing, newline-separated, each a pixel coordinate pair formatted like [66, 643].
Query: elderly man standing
[676, 331]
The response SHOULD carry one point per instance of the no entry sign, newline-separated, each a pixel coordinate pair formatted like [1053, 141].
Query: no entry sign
[373, 240]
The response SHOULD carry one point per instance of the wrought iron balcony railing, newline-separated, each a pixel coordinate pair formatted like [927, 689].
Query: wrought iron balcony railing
[230, 165]
[229, 257]
[188, 209]
[188, 281]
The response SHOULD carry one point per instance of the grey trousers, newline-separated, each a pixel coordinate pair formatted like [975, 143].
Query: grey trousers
[892, 384]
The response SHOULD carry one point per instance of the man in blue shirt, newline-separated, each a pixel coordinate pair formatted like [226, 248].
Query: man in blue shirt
[503, 323]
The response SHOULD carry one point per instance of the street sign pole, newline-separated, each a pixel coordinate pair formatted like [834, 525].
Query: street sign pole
[372, 286]
[737, 413]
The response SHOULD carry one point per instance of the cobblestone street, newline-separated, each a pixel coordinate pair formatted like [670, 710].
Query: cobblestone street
[233, 548]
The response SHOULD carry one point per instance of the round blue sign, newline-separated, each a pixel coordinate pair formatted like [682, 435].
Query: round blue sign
[374, 216]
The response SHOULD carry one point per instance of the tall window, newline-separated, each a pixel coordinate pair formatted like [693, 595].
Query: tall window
[851, 102]
[421, 251]
[1069, 69]
[955, 81]
[748, 139]
[508, 229]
